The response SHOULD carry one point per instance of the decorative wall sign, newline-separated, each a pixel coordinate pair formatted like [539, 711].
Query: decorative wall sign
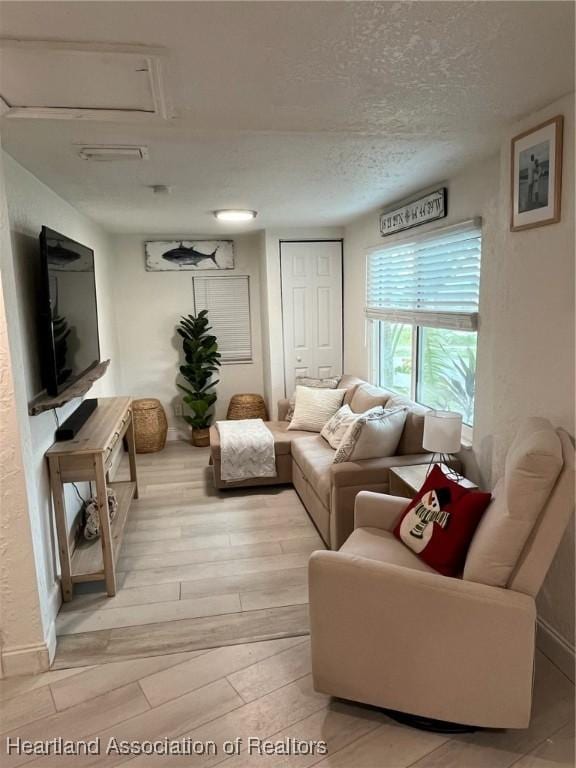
[428, 208]
[178, 255]
[536, 183]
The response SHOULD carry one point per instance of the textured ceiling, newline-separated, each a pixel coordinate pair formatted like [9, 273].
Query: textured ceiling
[309, 112]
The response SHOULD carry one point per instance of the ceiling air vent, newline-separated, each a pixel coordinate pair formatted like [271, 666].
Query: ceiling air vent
[111, 153]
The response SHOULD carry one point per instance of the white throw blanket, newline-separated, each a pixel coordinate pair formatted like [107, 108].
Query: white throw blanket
[246, 450]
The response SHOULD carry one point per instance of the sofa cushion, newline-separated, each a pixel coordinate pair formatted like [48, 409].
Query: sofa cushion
[335, 429]
[366, 397]
[314, 457]
[282, 438]
[377, 544]
[413, 434]
[372, 435]
[309, 381]
[314, 407]
[533, 464]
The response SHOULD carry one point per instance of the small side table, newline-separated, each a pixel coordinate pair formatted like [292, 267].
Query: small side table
[407, 481]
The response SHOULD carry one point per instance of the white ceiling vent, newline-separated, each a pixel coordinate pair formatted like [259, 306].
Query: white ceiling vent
[82, 81]
[108, 152]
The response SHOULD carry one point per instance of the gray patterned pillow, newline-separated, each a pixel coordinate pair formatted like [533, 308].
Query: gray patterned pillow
[335, 429]
[307, 381]
[374, 434]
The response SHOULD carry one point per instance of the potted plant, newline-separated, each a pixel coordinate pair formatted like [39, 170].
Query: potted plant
[202, 361]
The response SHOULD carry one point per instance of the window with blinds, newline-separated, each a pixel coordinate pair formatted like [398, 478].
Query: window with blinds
[432, 280]
[227, 300]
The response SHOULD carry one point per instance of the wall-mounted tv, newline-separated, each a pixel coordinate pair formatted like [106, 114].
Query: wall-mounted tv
[68, 311]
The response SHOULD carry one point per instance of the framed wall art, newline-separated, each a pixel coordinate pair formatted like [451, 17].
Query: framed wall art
[179, 255]
[536, 183]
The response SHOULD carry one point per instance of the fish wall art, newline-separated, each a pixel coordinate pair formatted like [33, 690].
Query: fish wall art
[178, 255]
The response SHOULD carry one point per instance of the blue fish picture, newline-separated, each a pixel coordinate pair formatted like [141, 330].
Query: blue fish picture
[180, 255]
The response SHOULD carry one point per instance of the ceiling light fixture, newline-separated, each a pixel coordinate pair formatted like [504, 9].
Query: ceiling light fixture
[233, 214]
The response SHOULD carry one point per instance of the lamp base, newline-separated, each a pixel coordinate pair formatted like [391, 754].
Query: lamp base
[445, 459]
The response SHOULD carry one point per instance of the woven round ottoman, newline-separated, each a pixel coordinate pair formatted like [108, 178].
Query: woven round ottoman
[150, 425]
[247, 407]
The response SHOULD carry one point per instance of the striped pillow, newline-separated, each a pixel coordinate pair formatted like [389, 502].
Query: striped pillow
[314, 407]
[308, 381]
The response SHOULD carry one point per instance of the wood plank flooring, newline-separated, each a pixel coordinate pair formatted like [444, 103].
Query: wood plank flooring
[260, 690]
[207, 639]
[198, 568]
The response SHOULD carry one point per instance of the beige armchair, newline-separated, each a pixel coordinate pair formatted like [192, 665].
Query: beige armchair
[388, 630]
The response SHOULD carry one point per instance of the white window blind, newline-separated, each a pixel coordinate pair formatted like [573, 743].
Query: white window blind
[431, 280]
[227, 300]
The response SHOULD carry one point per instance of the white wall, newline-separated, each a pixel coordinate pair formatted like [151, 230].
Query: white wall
[531, 325]
[525, 363]
[30, 205]
[22, 646]
[148, 308]
[472, 193]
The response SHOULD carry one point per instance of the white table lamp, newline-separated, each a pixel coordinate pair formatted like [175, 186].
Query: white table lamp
[442, 436]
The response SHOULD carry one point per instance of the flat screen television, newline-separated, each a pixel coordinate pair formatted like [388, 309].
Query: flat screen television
[68, 311]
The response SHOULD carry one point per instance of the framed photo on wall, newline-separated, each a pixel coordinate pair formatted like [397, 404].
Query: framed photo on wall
[536, 183]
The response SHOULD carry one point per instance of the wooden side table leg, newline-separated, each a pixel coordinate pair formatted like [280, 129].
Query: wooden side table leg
[105, 532]
[61, 529]
[132, 454]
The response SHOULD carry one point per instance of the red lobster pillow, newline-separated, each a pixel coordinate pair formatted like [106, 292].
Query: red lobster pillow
[439, 523]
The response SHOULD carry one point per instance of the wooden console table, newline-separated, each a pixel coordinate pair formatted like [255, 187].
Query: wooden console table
[88, 457]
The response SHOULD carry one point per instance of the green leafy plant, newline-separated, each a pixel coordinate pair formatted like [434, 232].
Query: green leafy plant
[450, 375]
[459, 383]
[202, 361]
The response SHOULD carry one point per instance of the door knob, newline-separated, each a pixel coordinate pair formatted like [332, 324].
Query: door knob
[298, 359]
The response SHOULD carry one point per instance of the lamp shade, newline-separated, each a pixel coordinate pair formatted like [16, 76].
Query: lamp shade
[442, 432]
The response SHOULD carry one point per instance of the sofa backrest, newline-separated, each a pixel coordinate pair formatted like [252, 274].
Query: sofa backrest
[350, 384]
[368, 396]
[361, 396]
[413, 434]
[532, 504]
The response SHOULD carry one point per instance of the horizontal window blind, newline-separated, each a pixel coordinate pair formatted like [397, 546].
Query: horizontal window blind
[431, 280]
[227, 300]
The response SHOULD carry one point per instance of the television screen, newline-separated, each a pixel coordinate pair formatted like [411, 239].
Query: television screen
[69, 314]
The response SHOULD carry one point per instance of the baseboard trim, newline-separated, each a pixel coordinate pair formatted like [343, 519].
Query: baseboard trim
[25, 660]
[556, 648]
[177, 433]
[54, 602]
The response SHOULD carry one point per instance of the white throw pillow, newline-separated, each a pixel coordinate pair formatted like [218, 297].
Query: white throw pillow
[374, 434]
[308, 381]
[335, 429]
[314, 407]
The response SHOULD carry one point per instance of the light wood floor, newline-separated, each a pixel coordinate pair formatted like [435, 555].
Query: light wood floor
[261, 690]
[198, 568]
[202, 565]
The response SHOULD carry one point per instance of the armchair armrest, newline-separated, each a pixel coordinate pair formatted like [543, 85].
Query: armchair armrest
[381, 580]
[283, 405]
[378, 510]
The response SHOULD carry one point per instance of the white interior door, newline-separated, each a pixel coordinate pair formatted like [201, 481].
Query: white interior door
[311, 309]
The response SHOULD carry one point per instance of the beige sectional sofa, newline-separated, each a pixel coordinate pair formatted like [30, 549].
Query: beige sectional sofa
[328, 490]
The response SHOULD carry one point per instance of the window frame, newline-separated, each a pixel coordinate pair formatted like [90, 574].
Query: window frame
[375, 352]
[462, 319]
